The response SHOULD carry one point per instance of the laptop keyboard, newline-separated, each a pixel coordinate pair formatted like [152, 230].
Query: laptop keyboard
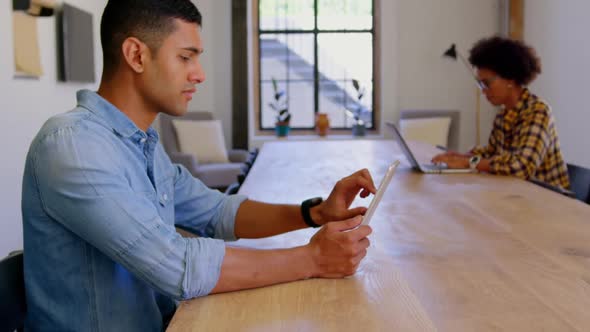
[434, 167]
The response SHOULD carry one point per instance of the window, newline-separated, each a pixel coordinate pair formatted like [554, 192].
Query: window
[314, 49]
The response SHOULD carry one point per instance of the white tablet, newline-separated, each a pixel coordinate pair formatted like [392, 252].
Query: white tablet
[380, 191]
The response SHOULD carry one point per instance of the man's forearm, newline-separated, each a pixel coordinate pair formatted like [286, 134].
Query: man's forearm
[257, 220]
[250, 268]
[334, 251]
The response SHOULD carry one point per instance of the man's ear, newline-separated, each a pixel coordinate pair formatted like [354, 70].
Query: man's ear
[135, 52]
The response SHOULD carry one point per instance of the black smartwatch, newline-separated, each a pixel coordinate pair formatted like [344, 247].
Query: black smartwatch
[305, 210]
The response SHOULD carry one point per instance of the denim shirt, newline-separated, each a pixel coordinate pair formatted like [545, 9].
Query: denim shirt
[100, 201]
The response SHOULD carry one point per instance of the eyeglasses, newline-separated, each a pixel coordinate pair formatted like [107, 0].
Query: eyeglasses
[484, 84]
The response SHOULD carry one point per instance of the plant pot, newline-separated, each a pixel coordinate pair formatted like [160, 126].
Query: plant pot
[322, 124]
[359, 130]
[282, 129]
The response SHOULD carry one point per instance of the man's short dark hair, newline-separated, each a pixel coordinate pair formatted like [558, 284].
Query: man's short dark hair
[151, 21]
[509, 58]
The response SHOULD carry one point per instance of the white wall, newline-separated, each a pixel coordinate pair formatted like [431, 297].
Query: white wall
[25, 105]
[426, 80]
[215, 95]
[558, 30]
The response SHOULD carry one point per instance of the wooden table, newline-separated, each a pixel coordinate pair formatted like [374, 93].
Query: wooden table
[449, 252]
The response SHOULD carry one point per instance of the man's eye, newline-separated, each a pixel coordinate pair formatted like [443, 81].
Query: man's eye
[184, 58]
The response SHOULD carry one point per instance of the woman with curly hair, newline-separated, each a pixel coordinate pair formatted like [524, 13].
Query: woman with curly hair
[524, 141]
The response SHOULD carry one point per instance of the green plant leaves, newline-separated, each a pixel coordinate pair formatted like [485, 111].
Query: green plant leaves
[356, 84]
[279, 105]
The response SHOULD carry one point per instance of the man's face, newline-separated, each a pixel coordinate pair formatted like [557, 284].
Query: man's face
[171, 74]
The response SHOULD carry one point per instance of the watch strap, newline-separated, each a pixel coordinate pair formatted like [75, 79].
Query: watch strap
[306, 210]
[473, 162]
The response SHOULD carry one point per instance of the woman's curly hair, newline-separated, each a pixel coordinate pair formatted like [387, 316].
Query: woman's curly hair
[511, 59]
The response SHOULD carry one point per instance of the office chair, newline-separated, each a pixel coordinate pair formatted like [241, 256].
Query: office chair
[12, 293]
[233, 188]
[579, 182]
[422, 125]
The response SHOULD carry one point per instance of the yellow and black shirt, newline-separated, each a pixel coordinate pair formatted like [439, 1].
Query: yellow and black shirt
[524, 143]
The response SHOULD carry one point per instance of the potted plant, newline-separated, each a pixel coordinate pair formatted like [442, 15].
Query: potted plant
[280, 106]
[358, 126]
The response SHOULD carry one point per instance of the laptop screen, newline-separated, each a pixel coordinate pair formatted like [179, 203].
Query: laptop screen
[403, 145]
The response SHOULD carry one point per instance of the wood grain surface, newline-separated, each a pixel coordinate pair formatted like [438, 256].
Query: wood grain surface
[456, 252]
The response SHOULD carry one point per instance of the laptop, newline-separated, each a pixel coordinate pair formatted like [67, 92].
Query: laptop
[424, 168]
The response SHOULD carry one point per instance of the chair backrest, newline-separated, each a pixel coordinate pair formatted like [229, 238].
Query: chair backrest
[580, 181]
[453, 139]
[168, 132]
[12, 292]
[233, 188]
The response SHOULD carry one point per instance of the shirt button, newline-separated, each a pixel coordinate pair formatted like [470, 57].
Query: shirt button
[142, 140]
[165, 197]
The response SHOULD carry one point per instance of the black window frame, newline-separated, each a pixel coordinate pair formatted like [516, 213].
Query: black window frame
[316, 81]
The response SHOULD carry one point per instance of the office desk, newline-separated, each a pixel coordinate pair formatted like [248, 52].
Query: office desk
[470, 252]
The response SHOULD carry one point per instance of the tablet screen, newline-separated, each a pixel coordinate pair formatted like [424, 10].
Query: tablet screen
[380, 191]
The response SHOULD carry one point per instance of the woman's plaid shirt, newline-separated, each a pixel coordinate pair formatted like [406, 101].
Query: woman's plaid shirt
[524, 143]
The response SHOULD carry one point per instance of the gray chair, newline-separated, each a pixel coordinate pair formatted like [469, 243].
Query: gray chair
[580, 182]
[219, 175]
[453, 140]
[12, 293]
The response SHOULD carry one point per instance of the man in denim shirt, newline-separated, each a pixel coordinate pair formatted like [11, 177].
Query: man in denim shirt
[101, 198]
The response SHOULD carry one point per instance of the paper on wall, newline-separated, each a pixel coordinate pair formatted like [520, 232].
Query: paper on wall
[27, 58]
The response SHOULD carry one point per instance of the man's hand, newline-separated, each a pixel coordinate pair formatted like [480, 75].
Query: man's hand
[335, 251]
[335, 208]
[338, 248]
[452, 159]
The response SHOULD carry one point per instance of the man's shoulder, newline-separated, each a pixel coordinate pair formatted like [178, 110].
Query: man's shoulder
[77, 121]
[78, 126]
[70, 119]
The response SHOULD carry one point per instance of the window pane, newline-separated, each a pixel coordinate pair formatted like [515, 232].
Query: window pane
[338, 96]
[286, 56]
[286, 14]
[346, 56]
[301, 103]
[342, 58]
[345, 14]
[300, 98]
[334, 100]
